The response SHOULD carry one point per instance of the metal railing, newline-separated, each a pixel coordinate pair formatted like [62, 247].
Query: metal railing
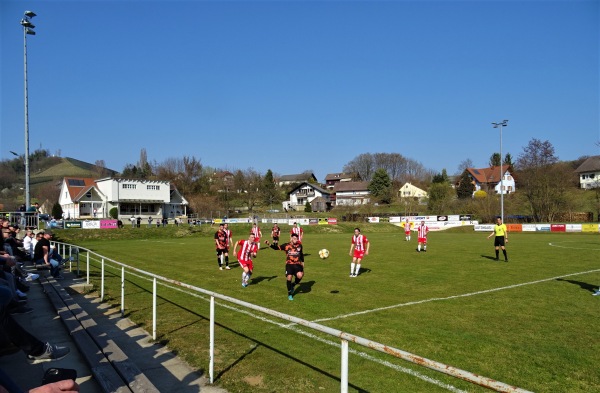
[22, 219]
[74, 252]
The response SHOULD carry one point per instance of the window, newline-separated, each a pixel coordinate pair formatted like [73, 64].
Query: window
[129, 186]
[149, 187]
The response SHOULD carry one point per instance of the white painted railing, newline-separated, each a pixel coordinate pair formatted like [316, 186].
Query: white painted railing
[72, 250]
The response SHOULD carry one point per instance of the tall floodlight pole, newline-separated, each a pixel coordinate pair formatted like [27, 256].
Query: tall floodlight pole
[504, 123]
[27, 29]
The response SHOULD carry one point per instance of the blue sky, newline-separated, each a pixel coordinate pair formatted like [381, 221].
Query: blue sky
[301, 85]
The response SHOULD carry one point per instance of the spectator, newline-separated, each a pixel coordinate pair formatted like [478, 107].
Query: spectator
[36, 350]
[41, 255]
[133, 220]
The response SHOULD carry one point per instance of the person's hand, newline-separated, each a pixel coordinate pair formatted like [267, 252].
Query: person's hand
[68, 385]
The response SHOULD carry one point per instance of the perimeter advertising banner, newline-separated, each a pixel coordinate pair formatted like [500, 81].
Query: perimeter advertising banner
[484, 227]
[90, 225]
[573, 227]
[542, 227]
[72, 224]
[558, 228]
[514, 227]
[108, 224]
[373, 219]
[590, 227]
[528, 227]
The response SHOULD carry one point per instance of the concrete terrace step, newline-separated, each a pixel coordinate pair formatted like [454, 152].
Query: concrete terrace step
[111, 367]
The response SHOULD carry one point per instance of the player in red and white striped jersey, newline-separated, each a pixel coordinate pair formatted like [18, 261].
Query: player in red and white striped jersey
[247, 251]
[360, 245]
[298, 231]
[257, 235]
[422, 231]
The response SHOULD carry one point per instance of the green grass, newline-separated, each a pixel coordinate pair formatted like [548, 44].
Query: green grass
[517, 322]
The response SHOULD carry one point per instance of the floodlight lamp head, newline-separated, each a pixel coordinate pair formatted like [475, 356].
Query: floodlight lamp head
[30, 14]
[29, 31]
[25, 23]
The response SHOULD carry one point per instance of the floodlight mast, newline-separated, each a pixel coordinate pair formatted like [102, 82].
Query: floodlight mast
[27, 30]
[503, 123]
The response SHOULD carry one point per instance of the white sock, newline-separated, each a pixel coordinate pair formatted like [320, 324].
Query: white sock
[243, 277]
[357, 269]
[352, 267]
[425, 247]
[419, 247]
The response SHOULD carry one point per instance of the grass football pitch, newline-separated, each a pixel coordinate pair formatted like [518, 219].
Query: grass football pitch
[531, 322]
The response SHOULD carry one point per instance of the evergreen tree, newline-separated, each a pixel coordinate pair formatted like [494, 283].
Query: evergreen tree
[441, 177]
[381, 186]
[508, 160]
[465, 187]
[495, 159]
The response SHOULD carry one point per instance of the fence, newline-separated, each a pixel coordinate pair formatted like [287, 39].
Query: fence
[75, 252]
[22, 219]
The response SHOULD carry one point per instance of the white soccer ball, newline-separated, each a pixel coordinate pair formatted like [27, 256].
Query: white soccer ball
[324, 253]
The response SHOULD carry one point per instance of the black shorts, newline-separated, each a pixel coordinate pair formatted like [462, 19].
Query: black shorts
[275, 238]
[221, 251]
[293, 269]
[499, 241]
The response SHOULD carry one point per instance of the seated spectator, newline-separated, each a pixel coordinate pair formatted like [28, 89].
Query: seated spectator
[42, 255]
[28, 243]
[37, 351]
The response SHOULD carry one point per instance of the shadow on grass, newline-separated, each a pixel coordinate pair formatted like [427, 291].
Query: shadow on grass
[493, 259]
[260, 279]
[304, 287]
[583, 285]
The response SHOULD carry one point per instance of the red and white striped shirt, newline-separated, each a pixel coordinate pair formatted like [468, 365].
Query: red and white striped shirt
[246, 250]
[360, 242]
[256, 232]
[423, 229]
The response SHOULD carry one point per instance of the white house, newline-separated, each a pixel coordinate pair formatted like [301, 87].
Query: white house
[410, 191]
[589, 173]
[306, 192]
[352, 193]
[487, 179]
[94, 198]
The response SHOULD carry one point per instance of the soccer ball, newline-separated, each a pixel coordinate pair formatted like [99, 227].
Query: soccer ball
[324, 253]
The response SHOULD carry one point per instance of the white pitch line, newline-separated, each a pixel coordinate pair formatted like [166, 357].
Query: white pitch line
[296, 329]
[450, 297]
[573, 248]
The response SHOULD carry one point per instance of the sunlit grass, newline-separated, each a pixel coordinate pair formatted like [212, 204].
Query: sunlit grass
[529, 322]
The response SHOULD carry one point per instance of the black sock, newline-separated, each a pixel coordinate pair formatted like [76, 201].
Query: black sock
[297, 281]
[497, 254]
[504, 252]
[219, 261]
[227, 260]
[290, 287]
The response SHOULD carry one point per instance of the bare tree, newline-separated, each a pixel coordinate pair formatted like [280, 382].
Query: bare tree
[464, 164]
[364, 165]
[542, 181]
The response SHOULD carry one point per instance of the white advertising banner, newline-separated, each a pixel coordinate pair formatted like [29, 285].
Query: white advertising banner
[542, 227]
[373, 219]
[528, 228]
[573, 228]
[90, 224]
[454, 217]
[484, 228]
